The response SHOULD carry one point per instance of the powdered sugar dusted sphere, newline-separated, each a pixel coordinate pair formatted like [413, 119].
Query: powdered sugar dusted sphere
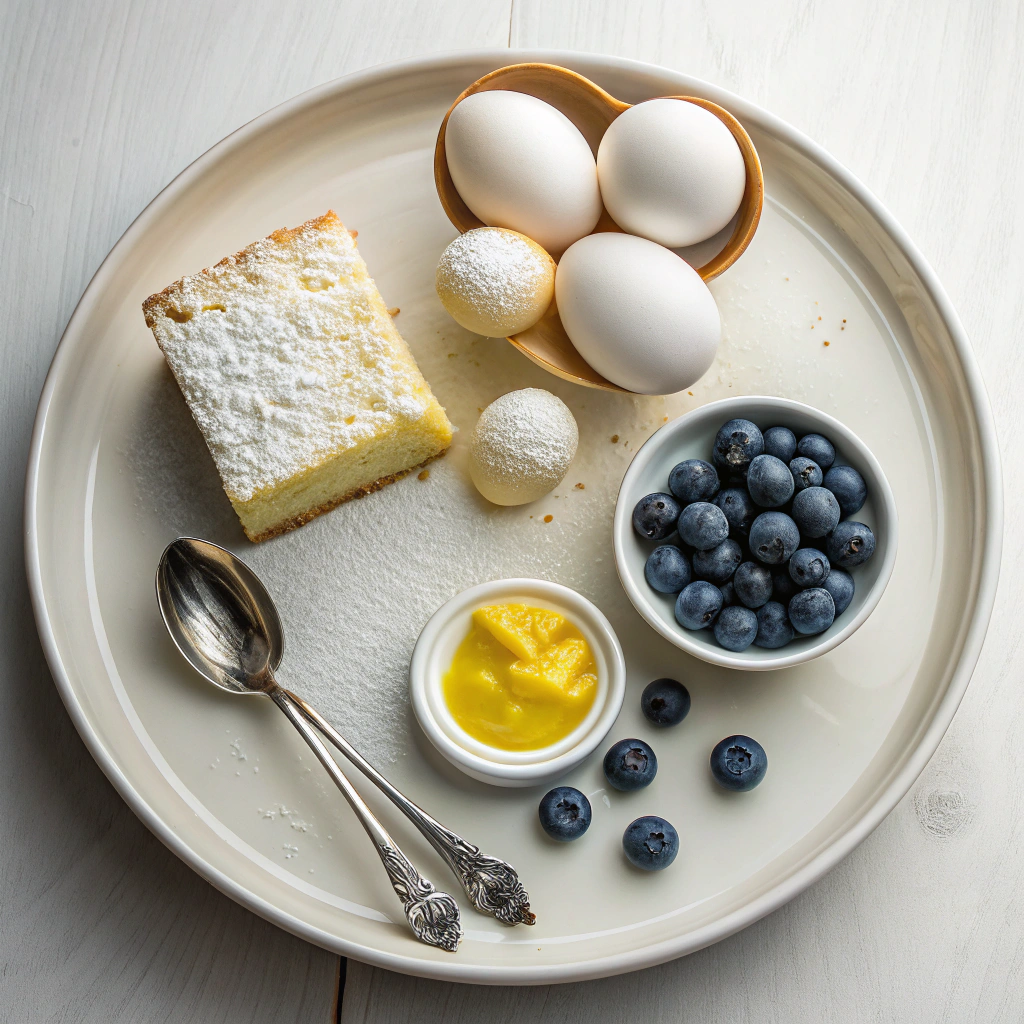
[522, 446]
[495, 282]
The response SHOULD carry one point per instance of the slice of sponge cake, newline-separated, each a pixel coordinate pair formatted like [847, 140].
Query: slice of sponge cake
[304, 390]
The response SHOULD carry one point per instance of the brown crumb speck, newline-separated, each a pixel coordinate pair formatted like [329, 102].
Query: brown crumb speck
[426, 472]
[664, 419]
[615, 438]
[812, 327]
[819, 317]
[827, 344]
[690, 393]
[394, 311]
[580, 487]
[353, 232]
[844, 320]
[548, 518]
[842, 328]
[451, 355]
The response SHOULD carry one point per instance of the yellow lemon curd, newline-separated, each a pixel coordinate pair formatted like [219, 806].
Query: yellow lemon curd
[522, 679]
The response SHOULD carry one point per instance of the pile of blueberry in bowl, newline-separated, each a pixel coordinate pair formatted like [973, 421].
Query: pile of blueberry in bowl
[761, 543]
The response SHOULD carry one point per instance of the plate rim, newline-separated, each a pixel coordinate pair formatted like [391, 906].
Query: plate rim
[817, 865]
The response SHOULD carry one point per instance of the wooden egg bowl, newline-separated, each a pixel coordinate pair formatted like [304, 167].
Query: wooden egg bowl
[591, 109]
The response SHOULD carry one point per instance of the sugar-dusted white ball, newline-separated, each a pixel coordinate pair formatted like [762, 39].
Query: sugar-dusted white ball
[495, 282]
[670, 171]
[522, 446]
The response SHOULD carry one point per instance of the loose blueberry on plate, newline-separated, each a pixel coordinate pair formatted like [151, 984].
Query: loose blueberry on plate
[739, 763]
[630, 764]
[850, 545]
[815, 512]
[693, 480]
[735, 628]
[809, 567]
[783, 587]
[805, 473]
[737, 443]
[740, 511]
[565, 813]
[753, 584]
[667, 569]
[655, 516]
[702, 525]
[769, 481]
[849, 488]
[812, 611]
[780, 442]
[728, 594]
[650, 843]
[718, 564]
[840, 585]
[698, 604]
[817, 448]
[774, 630]
[665, 702]
[774, 537]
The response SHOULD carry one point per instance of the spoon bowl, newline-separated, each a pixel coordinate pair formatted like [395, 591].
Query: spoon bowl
[592, 110]
[219, 615]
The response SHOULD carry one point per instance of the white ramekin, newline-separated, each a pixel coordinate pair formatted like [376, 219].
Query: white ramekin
[433, 654]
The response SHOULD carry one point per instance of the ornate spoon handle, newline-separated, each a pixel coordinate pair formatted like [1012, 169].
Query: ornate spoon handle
[492, 885]
[432, 915]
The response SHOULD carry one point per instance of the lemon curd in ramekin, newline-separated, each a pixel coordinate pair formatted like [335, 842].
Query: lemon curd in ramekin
[523, 677]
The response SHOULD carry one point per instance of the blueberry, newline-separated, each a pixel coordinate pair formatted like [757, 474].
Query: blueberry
[840, 585]
[812, 611]
[753, 584]
[665, 702]
[769, 481]
[809, 567]
[815, 511]
[728, 594]
[774, 537]
[850, 545]
[650, 843]
[565, 813]
[818, 448]
[735, 628]
[783, 587]
[737, 443]
[780, 442]
[774, 629]
[740, 511]
[693, 480]
[805, 473]
[849, 488]
[698, 604]
[667, 569]
[655, 515]
[739, 763]
[718, 564]
[630, 764]
[703, 526]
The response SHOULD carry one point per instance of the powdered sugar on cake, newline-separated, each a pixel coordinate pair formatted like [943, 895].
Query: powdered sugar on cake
[285, 354]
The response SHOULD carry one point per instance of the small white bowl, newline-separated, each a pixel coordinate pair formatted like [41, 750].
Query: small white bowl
[432, 657]
[691, 437]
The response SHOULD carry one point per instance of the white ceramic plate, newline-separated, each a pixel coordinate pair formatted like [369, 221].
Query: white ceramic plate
[117, 470]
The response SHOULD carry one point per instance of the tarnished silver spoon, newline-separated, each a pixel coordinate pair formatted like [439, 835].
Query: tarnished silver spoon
[224, 622]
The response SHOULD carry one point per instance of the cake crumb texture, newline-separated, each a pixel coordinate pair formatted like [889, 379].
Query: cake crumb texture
[292, 367]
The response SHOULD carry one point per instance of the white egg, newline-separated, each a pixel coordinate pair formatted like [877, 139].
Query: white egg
[670, 171]
[638, 313]
[519, 163]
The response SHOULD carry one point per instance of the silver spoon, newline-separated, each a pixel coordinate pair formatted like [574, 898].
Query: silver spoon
[223, 621]
[492, 885]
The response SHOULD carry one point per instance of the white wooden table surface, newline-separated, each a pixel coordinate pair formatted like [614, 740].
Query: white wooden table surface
[102, 102]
